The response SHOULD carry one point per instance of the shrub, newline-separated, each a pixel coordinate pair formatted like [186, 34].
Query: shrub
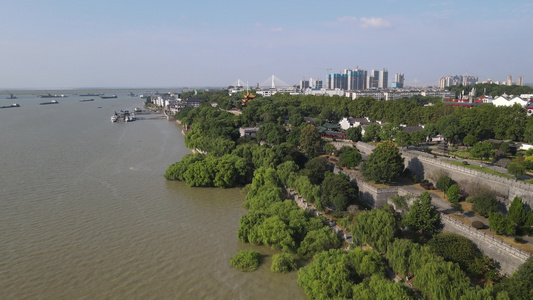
[283, 263]
[478, 225]
[457, 207]
[519, 239]
[453, 193]
[485, 204]
[456, 248]
[426, 185]
[444, 183]
[465, 163]
[501, 224]
[246, 260]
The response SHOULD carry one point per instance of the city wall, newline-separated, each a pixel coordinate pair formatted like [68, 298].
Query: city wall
[423, 165]
[507, 257]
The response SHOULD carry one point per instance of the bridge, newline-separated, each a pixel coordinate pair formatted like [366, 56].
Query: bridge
[271, 82]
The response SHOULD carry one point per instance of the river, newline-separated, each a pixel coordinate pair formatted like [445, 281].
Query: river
[85, 212]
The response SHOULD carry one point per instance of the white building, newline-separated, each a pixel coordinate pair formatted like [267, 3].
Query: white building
[350, 122]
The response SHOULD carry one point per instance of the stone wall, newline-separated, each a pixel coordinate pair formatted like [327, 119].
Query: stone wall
[422, 165]
[369, 194]
[508, 257]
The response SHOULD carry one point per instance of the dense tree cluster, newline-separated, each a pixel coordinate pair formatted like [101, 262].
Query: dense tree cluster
[385, 163]
[357, 274]
[377, 227]
[439, 268]
[280, 223]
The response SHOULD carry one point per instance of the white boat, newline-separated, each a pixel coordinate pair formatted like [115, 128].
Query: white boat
[113, 118]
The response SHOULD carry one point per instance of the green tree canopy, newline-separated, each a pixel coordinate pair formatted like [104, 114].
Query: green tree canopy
[310, 141]
[354, 134]
[377, 228]
[422, 216]
[349, 157]
[517, 211]
[484, 204]
[385, 164]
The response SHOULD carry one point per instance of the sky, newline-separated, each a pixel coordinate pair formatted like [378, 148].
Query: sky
[64, 44]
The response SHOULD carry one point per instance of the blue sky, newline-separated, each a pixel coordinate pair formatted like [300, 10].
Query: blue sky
[117, 43]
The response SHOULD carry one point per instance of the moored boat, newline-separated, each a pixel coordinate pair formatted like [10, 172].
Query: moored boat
[10, 106]
[49, 102]
[109, 97]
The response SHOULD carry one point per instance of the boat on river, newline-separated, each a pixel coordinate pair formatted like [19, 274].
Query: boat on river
[91, 95]
[109, 97]
[49, 102]
[11, 96]
[10, 106]
[52, 96]
[86, 100]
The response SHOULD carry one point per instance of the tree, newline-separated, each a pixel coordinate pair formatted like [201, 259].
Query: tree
[444, 182]
[350, 158]
[271, 133]
[377, 228]
[520, 285]
[275, 233]
[501, 224]
[384, 164]
[482, 150]
[422, 216]
[453, 193]
[339, 191]
[328, 276]
[403, 138]
[283, 263]
[316, 169]
[246, 260]
[517, 211]
[484, 204]
[469, 140]
[456, 248]
[310, 141]
[285, 170]
[354, 134]
[317, 241]
[371, 133]
[516, 169]
[329, 149]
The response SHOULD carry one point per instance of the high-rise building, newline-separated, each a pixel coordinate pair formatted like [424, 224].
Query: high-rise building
[372, 80]
[448, 81]
[304, 84]
[509, 80]
[356, 79]
[398, 80]
[383, 79]
[337, 81]
[520, 80]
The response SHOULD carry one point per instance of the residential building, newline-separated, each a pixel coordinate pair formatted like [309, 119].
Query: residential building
[398, 81]
[449, 80]
[347, 123]
[520, 81]
[383, 79]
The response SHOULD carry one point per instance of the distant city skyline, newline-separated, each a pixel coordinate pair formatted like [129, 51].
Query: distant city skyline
[61, 44]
